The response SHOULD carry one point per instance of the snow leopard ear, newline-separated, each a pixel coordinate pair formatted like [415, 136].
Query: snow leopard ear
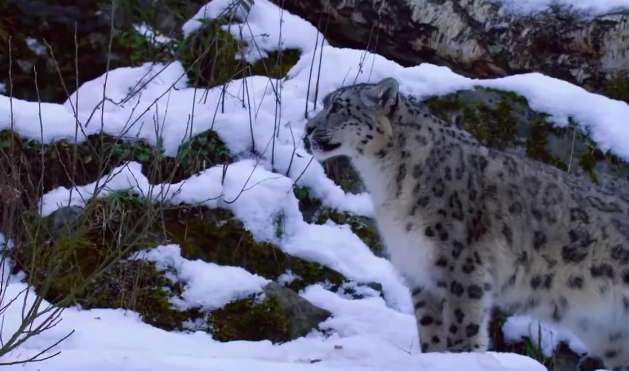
[383, 96]
[387, 92]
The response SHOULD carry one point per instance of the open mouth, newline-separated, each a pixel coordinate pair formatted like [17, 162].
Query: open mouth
[327, 147]
[313, 142]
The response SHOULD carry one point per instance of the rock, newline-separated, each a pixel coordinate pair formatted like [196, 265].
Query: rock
[215, 235]
[301, 315]
[481, 111]
[139, 286]
[315, 212]
[28, 23]
[590, 364]
[64, 220]
[280, 316]
[478, 38]
[565, 359]
[340, 170]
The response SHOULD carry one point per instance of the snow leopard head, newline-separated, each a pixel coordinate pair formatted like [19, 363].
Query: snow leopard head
[355, 120]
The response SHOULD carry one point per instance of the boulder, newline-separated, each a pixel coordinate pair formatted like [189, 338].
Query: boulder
[301, 316]
[478, 37]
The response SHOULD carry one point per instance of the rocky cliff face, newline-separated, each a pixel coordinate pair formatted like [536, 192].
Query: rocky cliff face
[478, 37]
[42, 36]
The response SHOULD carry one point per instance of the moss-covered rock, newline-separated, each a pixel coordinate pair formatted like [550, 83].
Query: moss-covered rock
[488, 115]
[200, 152]
[276, 64]
[505, 121]
[279, 315]
[66, 164]
[29, 24]
[64, 255]
[341, 171]
[314, 212]
[138, 286]
[249, 319]
[617, 88]
[537, 144]
[82, 247]
[216, 236]
[301, 315]
[212, 56]
[85, 250]
[495, 127]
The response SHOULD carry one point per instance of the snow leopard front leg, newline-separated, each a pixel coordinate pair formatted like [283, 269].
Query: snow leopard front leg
[468, 304]
[453, 312]
[429, 307]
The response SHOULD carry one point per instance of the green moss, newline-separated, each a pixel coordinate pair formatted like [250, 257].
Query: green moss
[202, 151]
[494, 127]
[537, 144]
[588, 161]
[139, 49]
[7, 140]
[72, 259]
[301, 193]
[84, 261]
[212, 56]
[617, 88]
[279, 225]
[309, 273]
[138, 286]
[448, 103]
[108, 229]
[276, 64]
[315, 212]
[111, 228]
[248, 319]
[508, 96]
[493, 124]
[216, 236]
[67, 164]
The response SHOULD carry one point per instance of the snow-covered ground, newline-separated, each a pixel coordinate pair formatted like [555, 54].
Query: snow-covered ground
[154, 103]
[369, 337]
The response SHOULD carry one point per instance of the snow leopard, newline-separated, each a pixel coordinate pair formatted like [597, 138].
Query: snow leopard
[473, 228]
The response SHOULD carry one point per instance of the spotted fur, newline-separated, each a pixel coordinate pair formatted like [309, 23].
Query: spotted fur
[472, 228]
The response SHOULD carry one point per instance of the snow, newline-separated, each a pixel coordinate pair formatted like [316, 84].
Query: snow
[153, 103]
[287, 277]
[107, 339]
[267, 28]
[595, 7]
[547, 337]
[151, 35]
[206, 285]
[35, 46]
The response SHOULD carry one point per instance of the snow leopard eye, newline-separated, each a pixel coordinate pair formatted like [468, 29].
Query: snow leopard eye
[336, 107]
